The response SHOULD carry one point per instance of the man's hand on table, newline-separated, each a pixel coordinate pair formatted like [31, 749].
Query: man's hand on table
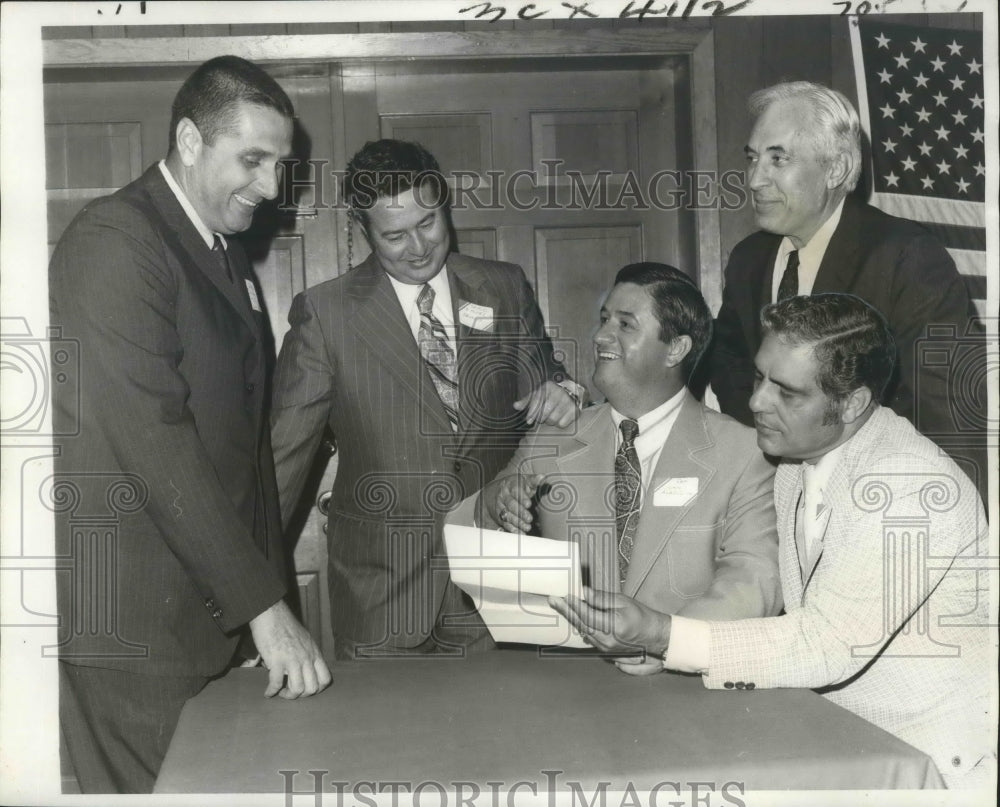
[550, 404]
[619, 625]
[295, 665]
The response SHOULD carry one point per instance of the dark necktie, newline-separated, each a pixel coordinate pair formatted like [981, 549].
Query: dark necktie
[628, 478]
[438, 355]
[220, 255]
[789, 285]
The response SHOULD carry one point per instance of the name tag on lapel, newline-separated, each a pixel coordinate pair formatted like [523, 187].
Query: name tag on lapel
[477, 317]
[676, 492]
[252, 294]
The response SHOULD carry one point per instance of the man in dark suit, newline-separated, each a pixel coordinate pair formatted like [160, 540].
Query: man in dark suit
[166, 498]
[427, 366]
[804, 158]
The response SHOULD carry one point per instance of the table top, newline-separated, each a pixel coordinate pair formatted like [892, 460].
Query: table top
[511, 716]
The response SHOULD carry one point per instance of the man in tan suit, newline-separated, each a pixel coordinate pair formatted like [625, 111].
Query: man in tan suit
[879, 533]
[670, 501]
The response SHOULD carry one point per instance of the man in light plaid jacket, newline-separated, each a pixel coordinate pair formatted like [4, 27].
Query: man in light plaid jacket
[882, 554]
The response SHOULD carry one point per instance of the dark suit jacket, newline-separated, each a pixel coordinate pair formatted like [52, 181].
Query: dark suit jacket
[166, 500]
[350, 361]
[713, 556]
[892, 263]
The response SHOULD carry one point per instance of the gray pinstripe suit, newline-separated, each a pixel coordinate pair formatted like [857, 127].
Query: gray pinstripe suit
[350, 361]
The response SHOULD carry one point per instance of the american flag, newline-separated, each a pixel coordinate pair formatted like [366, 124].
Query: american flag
[921, 94]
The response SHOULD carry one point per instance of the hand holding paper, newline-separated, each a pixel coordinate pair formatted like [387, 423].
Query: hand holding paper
[614, 623]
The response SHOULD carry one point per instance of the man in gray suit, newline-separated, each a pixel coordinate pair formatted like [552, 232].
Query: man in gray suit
[165, 498]
[427, 366]
[670, 502]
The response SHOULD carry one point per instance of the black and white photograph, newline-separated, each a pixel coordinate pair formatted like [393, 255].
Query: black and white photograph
[485, 404]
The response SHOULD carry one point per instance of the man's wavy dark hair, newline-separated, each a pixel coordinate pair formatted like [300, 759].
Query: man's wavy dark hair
[387, 168]
[851, 339]
[678, 305]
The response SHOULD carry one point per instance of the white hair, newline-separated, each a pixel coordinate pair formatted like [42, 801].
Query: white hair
[836, 128]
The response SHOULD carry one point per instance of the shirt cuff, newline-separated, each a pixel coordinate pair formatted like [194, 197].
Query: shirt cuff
[690, 647]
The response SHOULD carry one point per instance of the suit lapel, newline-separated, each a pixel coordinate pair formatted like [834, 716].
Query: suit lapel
[840, 262]
[188, 242]
[589, 469]
[760, 290]
[468, 285]
[379, 321]
[678, 460]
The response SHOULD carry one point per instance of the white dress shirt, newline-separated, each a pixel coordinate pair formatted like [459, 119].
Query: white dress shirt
[810, 255]
[207, 235]
[654, 429]
[407, 293]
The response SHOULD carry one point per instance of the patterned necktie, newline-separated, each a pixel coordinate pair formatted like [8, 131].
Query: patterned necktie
[438, 355]
[220, 255]
[789, 285]
[628, 477]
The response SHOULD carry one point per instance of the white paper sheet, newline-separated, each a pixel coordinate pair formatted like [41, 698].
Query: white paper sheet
[510, 576]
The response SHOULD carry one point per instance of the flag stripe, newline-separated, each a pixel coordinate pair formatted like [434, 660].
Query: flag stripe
[922, 208]
[976, 287]
[969, 262]
[958, 237]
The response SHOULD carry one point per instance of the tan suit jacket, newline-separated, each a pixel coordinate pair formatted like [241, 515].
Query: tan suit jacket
[713, 556]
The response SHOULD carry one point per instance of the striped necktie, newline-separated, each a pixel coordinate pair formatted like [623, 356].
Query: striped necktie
[438, 355]
[628, 477]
